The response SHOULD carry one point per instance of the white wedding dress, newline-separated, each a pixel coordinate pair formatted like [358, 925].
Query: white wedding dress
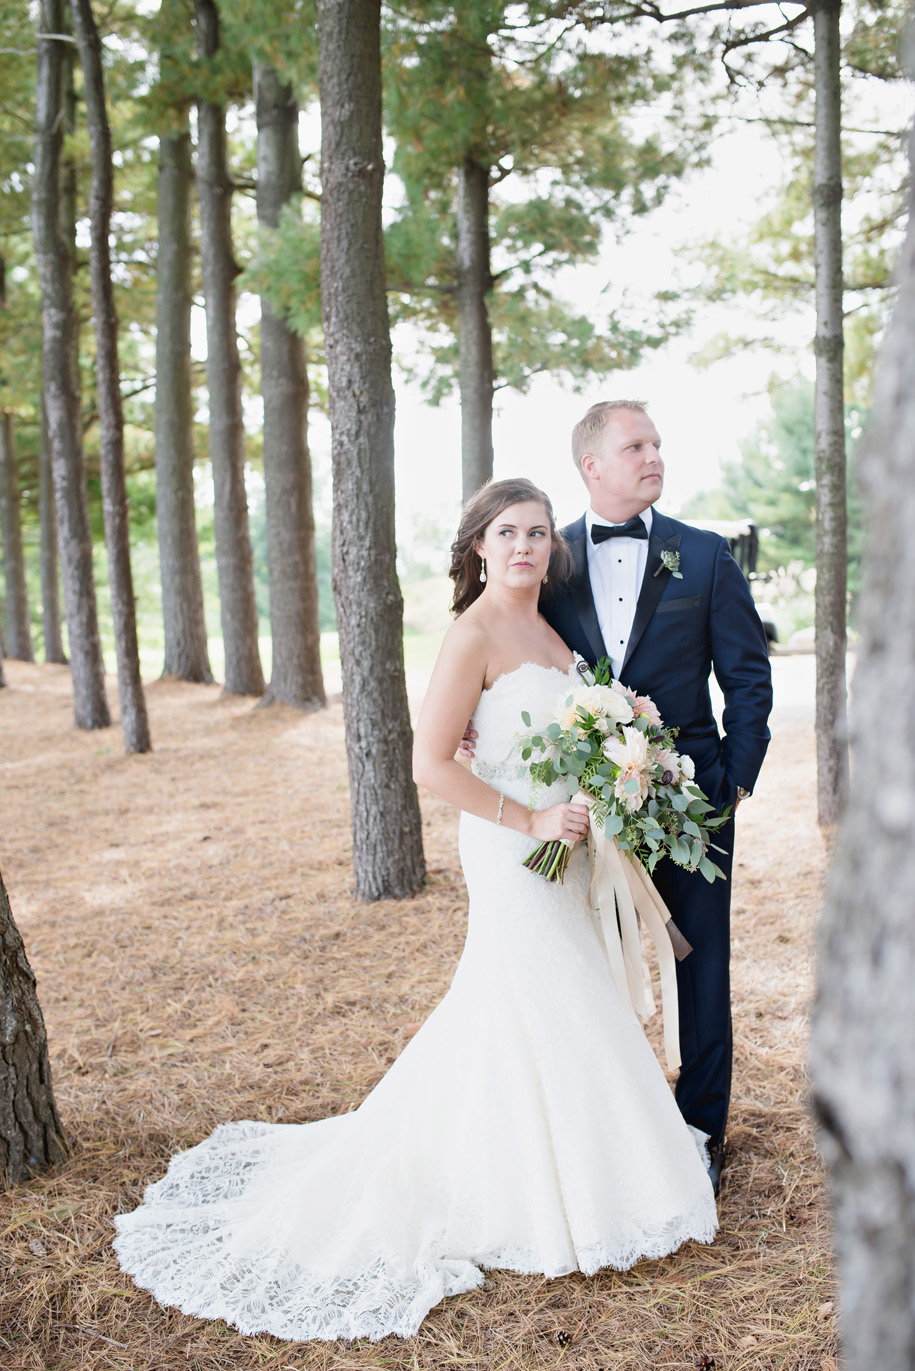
[527, 1125]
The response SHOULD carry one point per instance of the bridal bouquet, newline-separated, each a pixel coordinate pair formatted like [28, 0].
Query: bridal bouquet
[611, 745]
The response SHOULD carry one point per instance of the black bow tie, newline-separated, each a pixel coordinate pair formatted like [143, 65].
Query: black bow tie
[632, 528]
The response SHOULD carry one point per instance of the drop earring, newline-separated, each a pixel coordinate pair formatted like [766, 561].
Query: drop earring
[545, 579]
[482, 570]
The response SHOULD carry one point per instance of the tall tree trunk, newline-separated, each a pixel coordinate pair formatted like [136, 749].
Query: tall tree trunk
[61, 394]
[294, 624]
[17, 604]
[387, 835]
[183, 618]
[863, 1063]
[47, 518]
[234, 560]
[69, 182]
[474, 274]
[831, 517]
[134, 720]
[31, 1134]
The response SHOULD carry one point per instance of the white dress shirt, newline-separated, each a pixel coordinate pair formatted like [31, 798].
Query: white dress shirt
[616, 568]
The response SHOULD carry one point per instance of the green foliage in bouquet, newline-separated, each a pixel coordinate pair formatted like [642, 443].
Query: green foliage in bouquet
[612, 744]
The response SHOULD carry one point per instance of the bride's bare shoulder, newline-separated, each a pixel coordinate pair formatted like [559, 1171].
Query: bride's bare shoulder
[468, 641]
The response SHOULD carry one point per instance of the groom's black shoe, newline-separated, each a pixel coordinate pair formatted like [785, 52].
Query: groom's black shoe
[716, 1156]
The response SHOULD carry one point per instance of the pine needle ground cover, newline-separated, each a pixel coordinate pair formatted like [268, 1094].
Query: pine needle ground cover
[200, 958]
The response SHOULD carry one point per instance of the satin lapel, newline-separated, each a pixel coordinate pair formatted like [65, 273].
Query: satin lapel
[581, 595]
[662, 539]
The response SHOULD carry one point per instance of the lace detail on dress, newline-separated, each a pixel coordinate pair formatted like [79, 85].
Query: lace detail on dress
[526, 1126]
[488, 772]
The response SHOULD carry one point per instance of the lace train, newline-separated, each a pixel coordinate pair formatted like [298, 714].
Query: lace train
[527, 1126]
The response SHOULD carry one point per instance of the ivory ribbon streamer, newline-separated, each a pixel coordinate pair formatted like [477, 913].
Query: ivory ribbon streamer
[622, 892]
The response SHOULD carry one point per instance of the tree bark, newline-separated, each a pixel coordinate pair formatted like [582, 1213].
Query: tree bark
[31, 1134]
[863, 1063]
[387, 836]
[47, 518]
[831, 516]
[474, 275]
[186, 655]
[134, 720]
[60, 389]
[17, 603]
[294, 624]
[234, 560]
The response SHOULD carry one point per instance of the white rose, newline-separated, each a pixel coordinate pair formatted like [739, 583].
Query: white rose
[687, 767]
[605, 703]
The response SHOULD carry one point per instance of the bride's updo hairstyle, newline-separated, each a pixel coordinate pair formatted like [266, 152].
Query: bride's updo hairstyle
[479, 512]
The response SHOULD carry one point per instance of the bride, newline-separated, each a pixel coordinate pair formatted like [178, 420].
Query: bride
[528, 1124]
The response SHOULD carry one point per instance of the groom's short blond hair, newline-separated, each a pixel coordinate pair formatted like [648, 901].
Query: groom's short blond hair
[591, 426]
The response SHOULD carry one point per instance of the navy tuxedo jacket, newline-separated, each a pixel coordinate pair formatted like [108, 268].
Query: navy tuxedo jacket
[682, 631]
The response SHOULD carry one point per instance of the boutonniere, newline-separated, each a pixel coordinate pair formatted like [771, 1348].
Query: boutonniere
[670, 561]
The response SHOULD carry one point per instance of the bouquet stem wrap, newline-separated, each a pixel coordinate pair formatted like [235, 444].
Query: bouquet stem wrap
[621, 893]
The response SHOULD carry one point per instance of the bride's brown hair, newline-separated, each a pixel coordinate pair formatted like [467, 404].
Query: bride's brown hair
[479, 512]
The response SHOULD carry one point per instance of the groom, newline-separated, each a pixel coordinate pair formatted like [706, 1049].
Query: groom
[668, 605]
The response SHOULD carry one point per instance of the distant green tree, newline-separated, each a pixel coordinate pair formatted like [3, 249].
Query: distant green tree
[515, 147]
[773, 484]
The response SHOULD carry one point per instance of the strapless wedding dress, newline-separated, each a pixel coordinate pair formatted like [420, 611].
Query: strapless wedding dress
[527, 1125]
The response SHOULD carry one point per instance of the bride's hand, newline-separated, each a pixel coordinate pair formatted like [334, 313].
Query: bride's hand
[567, 821]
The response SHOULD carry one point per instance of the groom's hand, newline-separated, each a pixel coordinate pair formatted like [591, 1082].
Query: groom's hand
[468, 742]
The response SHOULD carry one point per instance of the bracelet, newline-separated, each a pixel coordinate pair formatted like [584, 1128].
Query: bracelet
[501, 804]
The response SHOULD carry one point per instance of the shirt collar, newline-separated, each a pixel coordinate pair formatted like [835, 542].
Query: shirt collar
[591, 519]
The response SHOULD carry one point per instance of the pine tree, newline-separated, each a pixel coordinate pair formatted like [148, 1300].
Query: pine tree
[61, 393]
[296, 677]
[862, 1064]
[134, 721]
[387, 831]
[829, 412]
[186, 656]
[17, 606]
[50, 587]
[481, 91]
[31, 1134]
[234, 558]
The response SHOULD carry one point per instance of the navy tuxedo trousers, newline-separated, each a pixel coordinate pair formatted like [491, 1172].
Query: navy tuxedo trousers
[684, 628]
